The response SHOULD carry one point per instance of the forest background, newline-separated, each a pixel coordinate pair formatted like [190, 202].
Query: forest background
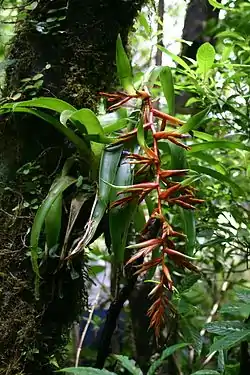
[68, 299]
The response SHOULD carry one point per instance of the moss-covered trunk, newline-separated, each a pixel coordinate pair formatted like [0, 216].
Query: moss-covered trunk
[72, 43]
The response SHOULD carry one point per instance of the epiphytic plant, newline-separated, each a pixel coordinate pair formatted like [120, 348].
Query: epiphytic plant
[167, 191]
[131, 163]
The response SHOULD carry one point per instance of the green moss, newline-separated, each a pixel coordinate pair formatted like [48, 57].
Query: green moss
[82, 61]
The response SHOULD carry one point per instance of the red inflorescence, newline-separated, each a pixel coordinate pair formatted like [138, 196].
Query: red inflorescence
[168, 192]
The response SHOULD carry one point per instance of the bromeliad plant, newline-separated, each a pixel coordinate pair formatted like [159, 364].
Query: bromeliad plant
[167, 192]
[130, 163]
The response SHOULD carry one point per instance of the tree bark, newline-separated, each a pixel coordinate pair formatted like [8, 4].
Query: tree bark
[73, 44]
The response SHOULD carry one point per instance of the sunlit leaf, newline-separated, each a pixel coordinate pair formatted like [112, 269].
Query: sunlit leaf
[53, 104]
[218, 176]
[218, 5]
[205, 58]
[90, 121]
[194, 122]
[210, 160]
[230, 34]
[150, 77]
[175, 58]
[167, 84]
[124, 69]
[70, 134]
[218, 144]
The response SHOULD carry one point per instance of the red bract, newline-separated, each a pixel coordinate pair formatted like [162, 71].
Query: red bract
[172, 173]
[164, 116]
[157, 234]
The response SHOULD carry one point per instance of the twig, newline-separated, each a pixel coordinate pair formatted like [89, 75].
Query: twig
[79, 348]
[214, 310]
[215, 306]
[160, 32]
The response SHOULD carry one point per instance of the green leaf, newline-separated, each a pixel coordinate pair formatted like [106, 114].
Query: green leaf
[194, 122]
[206, 372]
[62, 184]
[65, 115]
[221, 361]
[107, 172]
[187, 282]
[178, 161]
[151, 76]
[127, 364]
[218, 176]
[205, 58]
[239, 308]
[204, 136]
[192, 334]
[167, 84]
[120, 217]
[210, 160]
[53, 223]
[90, 121]
[86, 371]
[224, 327]
[230, 340]
[124, 68]
[243, 294]
[53, 104]
[108, 169]
[176, 59]
[114, 126]
[218, 5]
[230, 34]
[218, 144]
[166, 353]
[227, 49]
[86, 120]
[70, 134]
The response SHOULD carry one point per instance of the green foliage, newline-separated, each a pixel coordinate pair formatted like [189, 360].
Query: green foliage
[86, 371]
[217, 121]
[205, 58]
[42, 214]
[166, 353]
[124, 68]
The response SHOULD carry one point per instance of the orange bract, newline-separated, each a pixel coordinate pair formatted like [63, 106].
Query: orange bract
[157, 233]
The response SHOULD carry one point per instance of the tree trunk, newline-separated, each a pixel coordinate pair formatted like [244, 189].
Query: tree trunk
[72, 43]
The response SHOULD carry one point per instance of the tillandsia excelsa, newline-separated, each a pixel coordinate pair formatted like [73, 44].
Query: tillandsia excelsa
[167, 191]
[151, 179]
[165, 185]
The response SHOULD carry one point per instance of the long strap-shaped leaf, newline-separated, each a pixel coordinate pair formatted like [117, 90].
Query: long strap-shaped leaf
[120, 217]
[108, 168]
[124, 68]
[62, 184]
[178, 158]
